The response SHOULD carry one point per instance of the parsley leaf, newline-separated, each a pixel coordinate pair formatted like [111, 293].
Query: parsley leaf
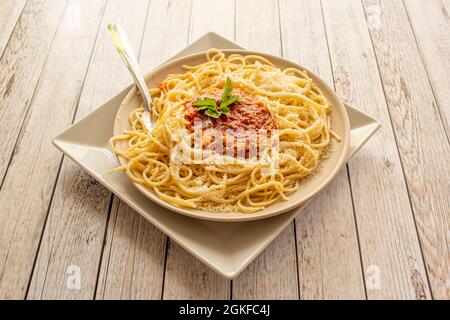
[209, 105]
[227, 100]
[227, 91]
[208, 102]
[213, 113]
[225, 104]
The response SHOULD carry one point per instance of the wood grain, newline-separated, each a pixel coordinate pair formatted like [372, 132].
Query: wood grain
[389, 219]
[188, 278]
[35, 163]
[21, 65]
[10, 11]
[106, 64]
[76, 225]
[258, 26]
[222, 23]
[328, 222]
[425, 157]
[430, 21]
[391, 256]
[137, 250]
[133, 258]
[273, 274]
[168, 26]
[185, 276]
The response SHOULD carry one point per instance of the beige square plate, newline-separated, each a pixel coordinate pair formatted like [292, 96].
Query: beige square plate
[225, 247]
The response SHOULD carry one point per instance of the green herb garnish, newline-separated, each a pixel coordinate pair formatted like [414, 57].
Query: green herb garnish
[209, 105]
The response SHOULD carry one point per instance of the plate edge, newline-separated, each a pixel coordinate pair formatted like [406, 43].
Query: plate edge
[58, 143]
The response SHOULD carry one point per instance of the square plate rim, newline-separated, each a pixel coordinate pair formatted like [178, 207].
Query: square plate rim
[59, 142]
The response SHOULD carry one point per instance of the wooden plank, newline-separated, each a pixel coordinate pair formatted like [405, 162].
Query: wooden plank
[391, 256]
[133, 257]
[35, 163]
[76, 224]
[168, 27]
[10, 11]
[21, 65]
[69, 254]
[258, 26]
[273, 275]
[186, 277]
[107, 64]
[216, 16]
[430, 21]
[136, 249]
[421, 138]
[330, 216]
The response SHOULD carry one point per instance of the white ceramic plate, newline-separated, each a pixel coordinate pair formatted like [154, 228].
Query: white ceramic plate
[227, 248]
[309, 186]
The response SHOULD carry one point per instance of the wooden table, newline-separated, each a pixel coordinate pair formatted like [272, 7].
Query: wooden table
[380, 230]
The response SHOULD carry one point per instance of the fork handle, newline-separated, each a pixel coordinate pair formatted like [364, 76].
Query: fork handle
[123, 47]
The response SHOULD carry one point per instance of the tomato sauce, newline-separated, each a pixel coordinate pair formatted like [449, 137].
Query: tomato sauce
[246, 114]
[246, 117]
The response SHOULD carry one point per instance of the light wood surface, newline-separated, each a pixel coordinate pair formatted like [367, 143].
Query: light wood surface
[318, 227]
[430, 21]
[379, 230]
[10, 11]
[384, 220]
[73, 225]
[35, 160]
[410, 99]
[132, 246]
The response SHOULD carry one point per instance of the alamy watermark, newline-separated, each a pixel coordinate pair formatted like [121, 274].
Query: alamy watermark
[373, 277]
[73, 281]
[227, 146]
[374, 14]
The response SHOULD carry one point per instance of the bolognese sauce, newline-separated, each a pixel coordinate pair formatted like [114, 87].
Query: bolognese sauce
[247, 117]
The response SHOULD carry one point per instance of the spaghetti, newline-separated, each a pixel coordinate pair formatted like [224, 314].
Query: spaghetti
[287, 100]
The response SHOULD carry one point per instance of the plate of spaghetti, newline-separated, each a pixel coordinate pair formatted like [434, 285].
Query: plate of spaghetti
[237, 136]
